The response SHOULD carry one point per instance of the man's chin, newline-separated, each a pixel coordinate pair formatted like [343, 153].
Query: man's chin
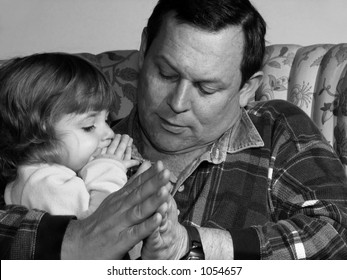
[168, 143]
[169, 147]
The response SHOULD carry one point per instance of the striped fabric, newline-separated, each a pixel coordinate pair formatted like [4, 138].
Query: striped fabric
[273, 173]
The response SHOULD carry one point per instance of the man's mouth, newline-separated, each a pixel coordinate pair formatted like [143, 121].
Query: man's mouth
[172, 127]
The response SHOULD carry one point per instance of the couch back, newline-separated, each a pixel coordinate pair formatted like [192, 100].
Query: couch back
[312, 77]
[315, 79]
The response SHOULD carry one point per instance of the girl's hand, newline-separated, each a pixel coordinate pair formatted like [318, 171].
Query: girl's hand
[120, 148]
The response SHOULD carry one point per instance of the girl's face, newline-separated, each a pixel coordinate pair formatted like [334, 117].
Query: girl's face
[84, 136]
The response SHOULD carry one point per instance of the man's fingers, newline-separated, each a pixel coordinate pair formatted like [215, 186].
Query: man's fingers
[140, 180]
[149, 188]
[162, 210]
[154, 240]
[141, 211]
[134, 234]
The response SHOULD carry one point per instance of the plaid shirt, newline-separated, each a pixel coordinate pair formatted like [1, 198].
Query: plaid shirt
[30, 234]
[18, 225]
[272, 180]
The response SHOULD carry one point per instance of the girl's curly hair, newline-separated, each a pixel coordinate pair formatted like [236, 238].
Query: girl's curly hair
[35, 92]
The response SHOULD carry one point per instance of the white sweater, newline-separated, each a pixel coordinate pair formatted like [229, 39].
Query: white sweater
[58, 190]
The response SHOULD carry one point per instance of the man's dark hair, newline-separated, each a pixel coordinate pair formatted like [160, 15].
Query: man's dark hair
[214, 15]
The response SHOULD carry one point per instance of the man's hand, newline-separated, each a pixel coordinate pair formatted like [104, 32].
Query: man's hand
[121, 221]
[170, 240]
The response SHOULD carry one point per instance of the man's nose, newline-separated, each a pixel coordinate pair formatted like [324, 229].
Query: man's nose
[179, 98]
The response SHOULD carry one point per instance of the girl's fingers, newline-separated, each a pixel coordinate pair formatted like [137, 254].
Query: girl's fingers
[114, 144]
[122, 146]
[130, 163]
[127, 154]
[142, 168]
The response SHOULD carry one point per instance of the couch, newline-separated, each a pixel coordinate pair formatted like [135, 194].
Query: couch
[312, 77]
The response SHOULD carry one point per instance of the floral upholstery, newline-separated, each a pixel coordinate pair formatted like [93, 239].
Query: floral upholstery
[315, 79]
[121, 68]
[312, 77]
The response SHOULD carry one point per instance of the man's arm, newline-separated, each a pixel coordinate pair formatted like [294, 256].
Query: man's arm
[30, 234]
[172, 242]
[308, 199]
[307, 202]
[122, 220]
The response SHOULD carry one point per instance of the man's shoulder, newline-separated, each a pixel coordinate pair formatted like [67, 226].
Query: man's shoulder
[282, 116]
[277, 110]
[275, 106]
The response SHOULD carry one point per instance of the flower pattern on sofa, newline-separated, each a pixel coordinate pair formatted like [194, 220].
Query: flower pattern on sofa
[121, 68]
[301, 95]
[277, 63]
[313, 78]
[340, 111]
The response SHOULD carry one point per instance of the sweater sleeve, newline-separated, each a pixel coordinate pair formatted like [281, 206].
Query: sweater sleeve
[56, 190]
[102, 176]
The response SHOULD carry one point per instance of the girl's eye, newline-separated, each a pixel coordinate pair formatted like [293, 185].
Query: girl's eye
[89, 128]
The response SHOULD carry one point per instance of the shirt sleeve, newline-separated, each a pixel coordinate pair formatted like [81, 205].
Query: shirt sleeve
[30, 234]
[307, 200]
[50, 235]
[246, 244]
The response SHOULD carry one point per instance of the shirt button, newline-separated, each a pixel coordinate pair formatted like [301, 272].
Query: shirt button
[181, 188]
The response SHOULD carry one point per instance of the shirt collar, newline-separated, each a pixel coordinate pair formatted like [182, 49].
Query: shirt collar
[241, 136]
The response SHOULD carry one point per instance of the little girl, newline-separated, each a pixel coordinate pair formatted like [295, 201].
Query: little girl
[57, 150]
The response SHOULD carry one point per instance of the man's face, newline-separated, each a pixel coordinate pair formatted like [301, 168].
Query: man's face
[189, 86]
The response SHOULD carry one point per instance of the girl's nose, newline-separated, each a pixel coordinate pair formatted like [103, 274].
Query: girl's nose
[108, 132]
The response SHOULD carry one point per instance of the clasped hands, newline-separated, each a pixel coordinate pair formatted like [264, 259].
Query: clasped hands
[142, 210]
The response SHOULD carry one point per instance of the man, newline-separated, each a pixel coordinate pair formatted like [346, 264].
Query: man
[250, 181]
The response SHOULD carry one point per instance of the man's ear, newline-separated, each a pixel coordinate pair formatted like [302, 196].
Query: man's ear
[143, 47]
[247, 92]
